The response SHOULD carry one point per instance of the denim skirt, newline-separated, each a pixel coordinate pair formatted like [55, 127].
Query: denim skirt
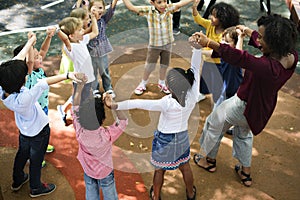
[169, 151]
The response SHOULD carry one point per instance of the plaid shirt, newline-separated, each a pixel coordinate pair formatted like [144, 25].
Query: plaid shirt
[100, 45]
[160, 24]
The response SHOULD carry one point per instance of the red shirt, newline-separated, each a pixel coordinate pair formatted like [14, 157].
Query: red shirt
[263, 78]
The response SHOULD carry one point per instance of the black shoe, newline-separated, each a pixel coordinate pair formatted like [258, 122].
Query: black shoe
[176, 31]
[43, 190]
[229, 131]
[16, 187]
[195, 193]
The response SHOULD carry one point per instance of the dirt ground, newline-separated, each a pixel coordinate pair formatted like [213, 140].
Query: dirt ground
[275, 170]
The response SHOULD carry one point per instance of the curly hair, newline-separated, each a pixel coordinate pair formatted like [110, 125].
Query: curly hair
[179, 81]
[91, 113]
[280, 33]
[228, 16]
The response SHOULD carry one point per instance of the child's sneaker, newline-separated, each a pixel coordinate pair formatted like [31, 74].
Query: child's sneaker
[43, 164]
[112, 93]
[164, 89]
[43, 190]
[50, 148]
[62, 114]
[16, 187]
[140, 89]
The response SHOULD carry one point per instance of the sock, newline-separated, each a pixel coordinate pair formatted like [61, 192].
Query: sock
[144, 82]
[161, 82]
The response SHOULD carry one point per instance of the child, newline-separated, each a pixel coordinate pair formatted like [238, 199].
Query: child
[72, 35]
[95, 143]
[251, 108]
[170, 146]
[159, 17]
[100, 46]
[39, 73]
[30, 119]
[66, 64]
[232, 75]
[222, 16]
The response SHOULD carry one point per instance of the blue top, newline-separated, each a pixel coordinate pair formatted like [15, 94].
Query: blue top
[100, 45]
[32, 80]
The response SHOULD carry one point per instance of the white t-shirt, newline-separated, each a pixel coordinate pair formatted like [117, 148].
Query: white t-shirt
[173, 117]
[81, 58]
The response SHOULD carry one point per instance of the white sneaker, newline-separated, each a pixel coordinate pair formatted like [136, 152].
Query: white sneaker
[112, 93]
[201, 97]
[164, 88]
[140, 89]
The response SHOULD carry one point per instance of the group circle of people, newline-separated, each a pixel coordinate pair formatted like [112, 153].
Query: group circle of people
[244, 100]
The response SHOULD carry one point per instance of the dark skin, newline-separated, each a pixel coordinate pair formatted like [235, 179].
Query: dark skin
[286, 61]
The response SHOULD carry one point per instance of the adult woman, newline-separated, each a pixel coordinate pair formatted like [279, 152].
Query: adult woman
[251, 108]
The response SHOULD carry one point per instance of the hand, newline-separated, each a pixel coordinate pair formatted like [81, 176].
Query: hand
[193, 42]
[94, 12]
[51, 31]
[108, 100]
[196, 3]
[80, 78]
[201, 38]
[32, 37]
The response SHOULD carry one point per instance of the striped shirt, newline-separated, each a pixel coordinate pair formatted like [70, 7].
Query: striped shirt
[160, 25]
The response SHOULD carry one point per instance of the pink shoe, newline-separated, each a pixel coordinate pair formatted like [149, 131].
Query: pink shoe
[140, 89]
[164, 89]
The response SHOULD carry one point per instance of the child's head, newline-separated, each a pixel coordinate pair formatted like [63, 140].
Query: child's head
[97, 7]
[82, 14]
[160, 5]
[38, 60]
[72, 27]
[230, 36]
[224, 15]
[12, 75]
[179, 81]
[277, 34]
[91, 113]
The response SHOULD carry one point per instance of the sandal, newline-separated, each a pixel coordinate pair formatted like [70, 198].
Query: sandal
[238, 168]
[194, 197]
[152, 194]
[212, 163]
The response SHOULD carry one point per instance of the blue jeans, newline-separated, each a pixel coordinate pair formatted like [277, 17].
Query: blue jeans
[100, 65]
[33, 148]
[107, 185]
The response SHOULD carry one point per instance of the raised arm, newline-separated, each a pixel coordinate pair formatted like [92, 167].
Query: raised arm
[113, 4]
[109, 102]
[131, 7]
[182, 3]
[95, 30]
[194, 7]
[240, 41]
[65, 39]
[46, 44]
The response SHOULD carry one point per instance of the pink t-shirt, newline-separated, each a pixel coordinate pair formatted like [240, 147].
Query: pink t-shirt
[95, 146]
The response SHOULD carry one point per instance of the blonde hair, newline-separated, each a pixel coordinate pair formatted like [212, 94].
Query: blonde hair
[70, 24]
[79, 13]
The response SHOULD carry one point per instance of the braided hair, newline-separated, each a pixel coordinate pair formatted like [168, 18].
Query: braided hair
[179, 81]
